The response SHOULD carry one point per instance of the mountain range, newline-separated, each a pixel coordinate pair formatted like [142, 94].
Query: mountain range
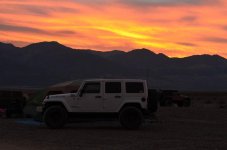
[45, 63]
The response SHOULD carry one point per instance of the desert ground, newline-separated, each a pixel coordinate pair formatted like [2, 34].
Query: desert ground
[191, 128]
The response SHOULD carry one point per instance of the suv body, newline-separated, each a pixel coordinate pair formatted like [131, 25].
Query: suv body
[124, 99]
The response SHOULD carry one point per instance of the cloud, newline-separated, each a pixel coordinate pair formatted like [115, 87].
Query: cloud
[224, 27]
[186, 44]
[6, 27]
[34, 9]
[216, 39]
[167, 2]
[65, 32]
[95, 2]
[23, 29]
[188, 18]
[39, 10]
[24, 9]
[91, 1]
[65, 9]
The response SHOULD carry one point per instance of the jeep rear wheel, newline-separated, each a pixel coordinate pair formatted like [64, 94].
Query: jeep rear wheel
[55, 117]
[131, 117]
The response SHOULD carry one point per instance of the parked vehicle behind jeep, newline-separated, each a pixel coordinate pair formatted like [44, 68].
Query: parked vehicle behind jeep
[101, 99]
[170, 97]
[12, 102]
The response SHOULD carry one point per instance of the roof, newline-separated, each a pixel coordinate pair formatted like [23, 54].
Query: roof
[75, 84]
[129, 80]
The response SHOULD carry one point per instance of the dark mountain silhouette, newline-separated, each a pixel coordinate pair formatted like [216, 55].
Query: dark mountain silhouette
[140, 58]
[45, 63]
[5, 46]
[103, 54]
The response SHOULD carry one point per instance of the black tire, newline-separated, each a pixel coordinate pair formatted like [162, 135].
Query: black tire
[180, 104]
[55, 117]
[131, 117]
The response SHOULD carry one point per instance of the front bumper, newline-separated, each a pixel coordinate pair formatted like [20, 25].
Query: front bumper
[39, 109]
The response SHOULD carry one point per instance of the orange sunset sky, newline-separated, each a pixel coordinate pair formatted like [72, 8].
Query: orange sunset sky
[177, 28]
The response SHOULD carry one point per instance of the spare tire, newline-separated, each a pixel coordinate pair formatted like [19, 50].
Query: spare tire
[152, 102]
[55, 117]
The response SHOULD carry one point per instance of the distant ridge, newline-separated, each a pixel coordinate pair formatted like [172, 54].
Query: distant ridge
[45, 63]
[55, 44]
[6, 45]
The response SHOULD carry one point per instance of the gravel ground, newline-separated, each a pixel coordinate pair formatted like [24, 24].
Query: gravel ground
[176, 129]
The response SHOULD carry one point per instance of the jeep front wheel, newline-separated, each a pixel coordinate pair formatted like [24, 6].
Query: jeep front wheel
[55, 117]
[131, 117]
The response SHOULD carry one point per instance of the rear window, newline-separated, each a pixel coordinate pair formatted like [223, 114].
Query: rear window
[113, 87]
[134, 87]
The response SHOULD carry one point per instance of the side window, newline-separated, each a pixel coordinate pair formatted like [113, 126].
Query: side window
[113, 87]
[92, 87]
[134, 87]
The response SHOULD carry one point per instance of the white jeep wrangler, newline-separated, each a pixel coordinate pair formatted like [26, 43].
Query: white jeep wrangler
[105, 99]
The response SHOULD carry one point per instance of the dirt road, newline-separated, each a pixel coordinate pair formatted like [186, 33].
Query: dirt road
[177, 129]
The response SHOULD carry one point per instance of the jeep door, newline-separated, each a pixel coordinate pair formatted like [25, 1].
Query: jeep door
[112, 97]
[90, 98]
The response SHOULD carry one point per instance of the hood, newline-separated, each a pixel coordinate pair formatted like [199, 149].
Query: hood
[61, 95]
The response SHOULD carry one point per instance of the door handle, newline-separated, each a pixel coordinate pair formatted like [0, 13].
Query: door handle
[117, 96]
[98, 96]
